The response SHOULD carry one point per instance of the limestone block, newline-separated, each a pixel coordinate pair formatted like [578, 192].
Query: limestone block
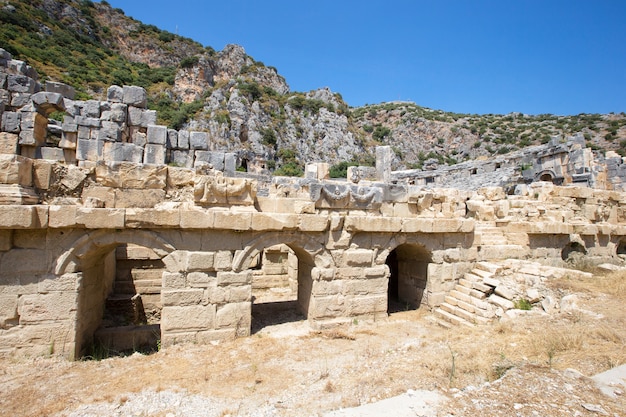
[125, 198]
[366, 305]
[8, 309]
[174, 280]
[326, 288]
[135, 96]
[157, 134]
[118, 112]
[68, 140]
[230, 163]
[52, 154]
[62, 216]
[172, 139]
[183, 139]
[154, 154]
[182, 158]
[48, 102]
[11, 122]
[225, 278]
[34, 308]
[17, 83]
[313, 222]
[110, 132]
[122, 152]
[17, 262]
[128, 175]
[452, 226]
[223, 260]
[196, 219]
[90, 108]
[377, 286]
[8, 143]
[16, 169]
[330, 306]
[180, 177]
[88, 150]
[234, 315]
[358, 257]
[63, 89]
[501, 302]
[198, 141]
[232, 221]
[143, 217]
[174, 318]
[201, 280]
[115, 94]
[100, 218]
[66, 282]
[200, 261]
[90, 122]
[239, 294]
[276, 221]
[23, 217]
[182, 297]
[350, 272]
[104, 194]
[376, 271]
[42, 172]
[372, 224]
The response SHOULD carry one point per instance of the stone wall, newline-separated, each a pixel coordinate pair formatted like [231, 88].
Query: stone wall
[72, 196]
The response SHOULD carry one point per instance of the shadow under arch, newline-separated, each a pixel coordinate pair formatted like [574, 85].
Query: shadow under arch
[408, 266]
[94, 257]
[306, 250]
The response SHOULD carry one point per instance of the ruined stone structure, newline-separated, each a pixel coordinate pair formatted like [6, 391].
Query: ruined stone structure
[97, 230]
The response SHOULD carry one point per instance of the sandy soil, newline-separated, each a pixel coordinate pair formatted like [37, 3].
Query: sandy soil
[521, 367]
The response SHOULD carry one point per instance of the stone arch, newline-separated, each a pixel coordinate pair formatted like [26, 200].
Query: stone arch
[94, 243]
[93, 258]
[546, 175]
[300, 243]
[408, 261]
[308, 252]
[573, 250]
[620, 248]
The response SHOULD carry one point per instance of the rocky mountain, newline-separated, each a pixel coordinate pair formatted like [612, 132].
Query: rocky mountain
[248, 107]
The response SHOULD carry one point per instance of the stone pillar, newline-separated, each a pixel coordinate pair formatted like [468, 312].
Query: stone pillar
[384, 156]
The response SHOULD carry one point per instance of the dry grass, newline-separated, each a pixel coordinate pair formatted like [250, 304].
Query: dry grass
[340, 367]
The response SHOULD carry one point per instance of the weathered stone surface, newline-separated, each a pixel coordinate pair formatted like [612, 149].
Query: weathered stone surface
[127, 175]
[15, 170]
[135, 96]
[100, 218]
[140, 199]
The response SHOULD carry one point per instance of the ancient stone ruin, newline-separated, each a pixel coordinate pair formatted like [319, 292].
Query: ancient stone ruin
[120, 232]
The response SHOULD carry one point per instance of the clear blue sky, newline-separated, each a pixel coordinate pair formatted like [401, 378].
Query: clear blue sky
[468, 56]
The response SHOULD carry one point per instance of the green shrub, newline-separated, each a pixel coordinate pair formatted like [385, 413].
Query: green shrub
[340, 170]
[380, 132]
[522, 304]
[189, 61]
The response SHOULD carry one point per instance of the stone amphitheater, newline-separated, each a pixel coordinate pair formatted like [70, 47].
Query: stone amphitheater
[117, 231]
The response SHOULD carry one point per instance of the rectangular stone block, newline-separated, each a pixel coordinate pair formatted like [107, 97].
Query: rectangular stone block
[100, 218]
[8, 143]
[196, 219]
[172, 139]
[201, 279]
[110, 132]
[274, 221]
[200, 261]
[16, 170]
[232, 221]
[174, 280]
[372, 224]
[8, 308]
[88, 150]
[198, 141]
[182, 297]
[154, 154]
[182, 158]
[234, 315]
[52, 154]
[148, 217]
[157, 134]
[122, 152]
[223, 260]
[313, 222]
[128, 175]
[62, 216]
[66, 282]
[11, 122]
[183, 139]
[17, 262]
[234, 278]
[138, 198]
[34, 308]
[186, 318]
[358, 257]
[42, 172]
[23, 217]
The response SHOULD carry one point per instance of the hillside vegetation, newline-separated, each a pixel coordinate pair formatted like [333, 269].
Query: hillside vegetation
[248, 107]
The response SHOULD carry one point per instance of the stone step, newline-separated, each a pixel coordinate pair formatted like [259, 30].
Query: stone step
[459, 312]
[491, 282]
[460, 295]
[451, 318]
[488, 266]
[491, 240]
[481, 273]
[472, 277]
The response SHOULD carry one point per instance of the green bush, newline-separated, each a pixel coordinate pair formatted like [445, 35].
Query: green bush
[380, 133]
[340, 170]
[189, 61]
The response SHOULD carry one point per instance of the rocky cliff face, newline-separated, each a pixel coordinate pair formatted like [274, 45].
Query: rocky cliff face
[247, 106]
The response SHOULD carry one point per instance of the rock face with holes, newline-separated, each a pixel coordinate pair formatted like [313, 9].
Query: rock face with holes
[102, 242]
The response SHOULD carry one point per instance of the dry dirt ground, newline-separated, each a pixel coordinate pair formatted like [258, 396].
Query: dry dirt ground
[521, 367]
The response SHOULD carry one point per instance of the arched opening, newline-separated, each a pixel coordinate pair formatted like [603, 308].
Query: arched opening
[119, 298]
[408, 266]
[621, 249]
[281, 286]
[573, 251]
[545, 177]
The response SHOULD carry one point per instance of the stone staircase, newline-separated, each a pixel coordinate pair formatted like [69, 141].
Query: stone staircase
[472, 301]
